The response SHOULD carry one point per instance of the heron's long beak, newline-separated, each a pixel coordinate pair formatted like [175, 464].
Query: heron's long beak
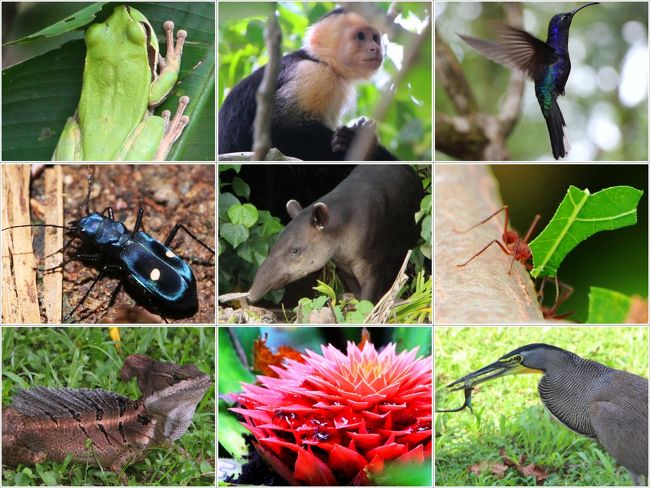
[583, 6]
[489, 372]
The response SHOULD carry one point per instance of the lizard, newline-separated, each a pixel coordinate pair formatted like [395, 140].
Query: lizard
[103, 427]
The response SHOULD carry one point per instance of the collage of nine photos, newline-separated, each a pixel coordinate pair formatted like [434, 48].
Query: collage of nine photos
[234, 252]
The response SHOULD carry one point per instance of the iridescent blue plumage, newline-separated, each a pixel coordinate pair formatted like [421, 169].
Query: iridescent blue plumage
[547, 63]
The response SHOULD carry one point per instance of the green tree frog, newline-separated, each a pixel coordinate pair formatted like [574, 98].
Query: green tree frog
[124, 79]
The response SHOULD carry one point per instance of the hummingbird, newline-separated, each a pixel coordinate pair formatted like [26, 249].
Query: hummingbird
[547, 63]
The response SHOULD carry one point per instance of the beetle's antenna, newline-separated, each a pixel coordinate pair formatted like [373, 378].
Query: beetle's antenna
[91, 181]
[40, 225]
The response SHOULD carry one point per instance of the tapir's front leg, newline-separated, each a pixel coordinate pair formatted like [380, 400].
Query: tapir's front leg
[369, 280]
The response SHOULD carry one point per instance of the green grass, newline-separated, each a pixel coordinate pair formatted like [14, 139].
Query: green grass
[86, 357]
[508, 412]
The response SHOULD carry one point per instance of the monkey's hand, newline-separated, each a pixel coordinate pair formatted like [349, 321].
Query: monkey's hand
[343, 136]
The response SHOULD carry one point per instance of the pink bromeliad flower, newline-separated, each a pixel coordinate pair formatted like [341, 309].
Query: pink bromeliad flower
[335, 418]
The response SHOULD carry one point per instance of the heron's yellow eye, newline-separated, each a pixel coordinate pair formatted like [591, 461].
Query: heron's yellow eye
[517, 358]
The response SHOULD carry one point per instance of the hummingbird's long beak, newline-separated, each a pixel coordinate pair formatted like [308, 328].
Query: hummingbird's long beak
[583, 6]
[489, 372]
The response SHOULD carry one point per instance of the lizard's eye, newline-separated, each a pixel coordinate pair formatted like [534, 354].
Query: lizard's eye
[177, 378]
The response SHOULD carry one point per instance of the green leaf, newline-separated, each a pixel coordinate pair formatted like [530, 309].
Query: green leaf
[409, 337]
[608, 306]
[72, 22]
[327, 290]
[231, 433]
[240, 187]
[579, 216]
[253, 251]
[245, 214]
[231, 369]
[226, 200]
[235, 234]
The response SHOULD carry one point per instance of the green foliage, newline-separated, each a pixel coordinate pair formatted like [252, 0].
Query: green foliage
[31, 125]
[245, 235]
[346, 311]
[425, 215]
[579, 216]
[85, 357]
[416, 309]
[607, 306]
[406, 129]
[400, 474]
[508, 412]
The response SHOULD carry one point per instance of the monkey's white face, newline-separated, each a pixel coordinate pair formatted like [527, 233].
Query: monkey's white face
[368, 47]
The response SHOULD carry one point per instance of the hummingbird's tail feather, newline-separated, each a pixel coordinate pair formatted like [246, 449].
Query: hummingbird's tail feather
[557, 131]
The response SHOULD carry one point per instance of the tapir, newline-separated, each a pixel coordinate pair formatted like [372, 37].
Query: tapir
[365, 226]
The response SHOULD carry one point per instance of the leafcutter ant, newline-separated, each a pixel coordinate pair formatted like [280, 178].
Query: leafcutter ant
[514, 245]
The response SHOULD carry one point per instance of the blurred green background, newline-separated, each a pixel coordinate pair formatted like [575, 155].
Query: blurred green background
[508, 412]
[406, 129]
[617, 260]
[606, 101]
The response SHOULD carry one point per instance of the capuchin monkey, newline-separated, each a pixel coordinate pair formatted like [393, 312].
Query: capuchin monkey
[315, 87]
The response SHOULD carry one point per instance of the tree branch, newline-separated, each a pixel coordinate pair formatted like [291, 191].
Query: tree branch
[482, 291]
[266, 92]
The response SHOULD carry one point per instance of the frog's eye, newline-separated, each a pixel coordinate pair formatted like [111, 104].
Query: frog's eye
[135, 33]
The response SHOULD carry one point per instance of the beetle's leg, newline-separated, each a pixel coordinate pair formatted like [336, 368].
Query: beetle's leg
[89, 257]
[174, 231]
[138, 221]
[110, 212]
[101, 274]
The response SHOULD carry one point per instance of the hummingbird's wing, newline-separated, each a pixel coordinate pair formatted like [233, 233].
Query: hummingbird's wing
[515, 48]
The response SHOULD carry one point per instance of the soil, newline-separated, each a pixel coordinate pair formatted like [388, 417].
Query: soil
[168, 194]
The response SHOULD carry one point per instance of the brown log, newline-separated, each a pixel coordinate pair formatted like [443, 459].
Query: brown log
[482, 291]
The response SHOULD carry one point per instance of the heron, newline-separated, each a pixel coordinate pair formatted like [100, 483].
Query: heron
[593, 400]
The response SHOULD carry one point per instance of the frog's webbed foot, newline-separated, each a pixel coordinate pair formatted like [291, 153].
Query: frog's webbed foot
[173, 128]
[174, 52]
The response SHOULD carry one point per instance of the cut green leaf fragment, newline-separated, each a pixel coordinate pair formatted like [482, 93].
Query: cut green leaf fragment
[579, 216]
[608, 306]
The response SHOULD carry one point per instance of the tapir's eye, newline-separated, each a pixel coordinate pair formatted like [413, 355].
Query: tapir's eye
[295, 251]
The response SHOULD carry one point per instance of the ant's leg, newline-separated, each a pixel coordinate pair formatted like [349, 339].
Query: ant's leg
[531, 229]
[560, 298]
[101, 274]
[505, 229]
[175, 230]
[495, 241]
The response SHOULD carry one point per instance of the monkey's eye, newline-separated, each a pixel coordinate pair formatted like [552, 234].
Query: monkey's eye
[375, 38]
[361, 36]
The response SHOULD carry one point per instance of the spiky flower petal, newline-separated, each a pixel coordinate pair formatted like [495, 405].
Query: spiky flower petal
[335, 418]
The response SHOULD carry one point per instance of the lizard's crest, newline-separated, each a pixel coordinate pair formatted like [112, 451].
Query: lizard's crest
[170, 392]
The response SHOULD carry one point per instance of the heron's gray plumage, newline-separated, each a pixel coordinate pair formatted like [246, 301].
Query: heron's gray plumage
[597, 401]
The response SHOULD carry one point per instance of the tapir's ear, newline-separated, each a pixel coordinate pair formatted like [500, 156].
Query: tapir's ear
[293, 208]
[320, 215]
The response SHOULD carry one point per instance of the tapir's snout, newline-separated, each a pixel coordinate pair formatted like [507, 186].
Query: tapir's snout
[264, 282]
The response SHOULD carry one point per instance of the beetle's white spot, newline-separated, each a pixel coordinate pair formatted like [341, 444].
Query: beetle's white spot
[170, 254]
[155, 274]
